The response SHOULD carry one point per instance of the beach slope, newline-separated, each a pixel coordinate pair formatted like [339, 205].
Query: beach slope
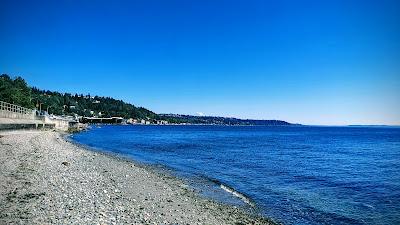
[45, 179]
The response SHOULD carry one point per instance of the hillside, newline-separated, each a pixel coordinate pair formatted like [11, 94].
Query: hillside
[17, 91]
[176, 118]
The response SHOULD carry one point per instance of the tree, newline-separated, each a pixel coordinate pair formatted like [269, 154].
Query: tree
[15, 91]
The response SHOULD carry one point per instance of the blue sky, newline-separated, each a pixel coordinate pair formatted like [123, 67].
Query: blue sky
[310, 62]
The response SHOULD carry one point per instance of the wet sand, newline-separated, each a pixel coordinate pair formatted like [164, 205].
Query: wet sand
[45, 179]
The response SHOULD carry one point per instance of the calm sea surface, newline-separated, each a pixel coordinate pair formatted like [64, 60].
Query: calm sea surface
[296, 175]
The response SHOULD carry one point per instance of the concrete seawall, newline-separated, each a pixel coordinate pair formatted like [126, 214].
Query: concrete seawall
[26, 126]
[13, 117]
[16, 115]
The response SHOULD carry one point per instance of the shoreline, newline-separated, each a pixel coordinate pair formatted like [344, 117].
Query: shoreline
[165, 171]
[45, 177]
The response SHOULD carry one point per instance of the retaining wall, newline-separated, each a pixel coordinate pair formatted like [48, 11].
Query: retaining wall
[26, 126]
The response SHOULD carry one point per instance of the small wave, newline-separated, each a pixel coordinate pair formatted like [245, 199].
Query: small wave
[230, 190]
[368, 205]
[237, 194]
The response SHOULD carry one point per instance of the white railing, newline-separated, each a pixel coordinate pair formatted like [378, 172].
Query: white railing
[8, 110]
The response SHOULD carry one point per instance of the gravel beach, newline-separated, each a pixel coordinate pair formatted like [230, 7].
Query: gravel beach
[45, 179]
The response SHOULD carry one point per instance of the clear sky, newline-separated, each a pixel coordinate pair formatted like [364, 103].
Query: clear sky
[311, 62]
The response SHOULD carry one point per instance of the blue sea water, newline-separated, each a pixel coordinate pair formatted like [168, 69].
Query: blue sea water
[295, 175]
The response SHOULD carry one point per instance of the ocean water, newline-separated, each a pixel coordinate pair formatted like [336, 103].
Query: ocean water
[295, 175]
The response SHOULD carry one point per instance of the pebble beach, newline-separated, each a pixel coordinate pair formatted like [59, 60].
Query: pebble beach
[46, 179]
